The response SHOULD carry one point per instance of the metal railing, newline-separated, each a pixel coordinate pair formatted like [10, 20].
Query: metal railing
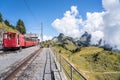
[70, 71]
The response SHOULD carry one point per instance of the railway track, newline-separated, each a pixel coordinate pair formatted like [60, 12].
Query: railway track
[3, 52]
[48, 61]
[11, 73]
[8, 52]
[39, 65]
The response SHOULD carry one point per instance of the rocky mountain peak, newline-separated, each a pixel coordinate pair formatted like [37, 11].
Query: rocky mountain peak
[61, 35]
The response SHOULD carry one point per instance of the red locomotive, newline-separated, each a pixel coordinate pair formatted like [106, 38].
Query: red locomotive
[13, 40]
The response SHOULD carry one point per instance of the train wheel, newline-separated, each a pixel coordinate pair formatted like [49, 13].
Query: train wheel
[4, 49]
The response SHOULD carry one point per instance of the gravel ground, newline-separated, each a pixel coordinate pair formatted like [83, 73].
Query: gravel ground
[41, 67]
[8, 59]
[1, 48]
[1, 51]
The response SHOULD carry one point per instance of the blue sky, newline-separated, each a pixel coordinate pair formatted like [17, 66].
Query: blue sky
[33, 12]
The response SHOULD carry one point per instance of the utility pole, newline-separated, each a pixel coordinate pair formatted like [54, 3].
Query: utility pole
[41, 32]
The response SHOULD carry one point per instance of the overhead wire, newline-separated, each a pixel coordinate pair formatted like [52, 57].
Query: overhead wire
[29, 9]
[31, 12]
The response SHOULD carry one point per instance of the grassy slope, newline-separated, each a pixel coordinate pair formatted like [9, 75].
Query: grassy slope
[7, 28]
[70, 46]
[96, 63]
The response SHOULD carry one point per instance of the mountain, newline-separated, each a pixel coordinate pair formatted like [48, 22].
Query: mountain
[72, 44]
[97, 63]
[84, 40]
[65, 41]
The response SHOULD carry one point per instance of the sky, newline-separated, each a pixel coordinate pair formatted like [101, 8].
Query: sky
[102, 25]
[100, 18]
[35, 12]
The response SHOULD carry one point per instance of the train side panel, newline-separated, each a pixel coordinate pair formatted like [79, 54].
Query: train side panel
[10, 40]
[21, 40]
[29, 43]
[13, 40]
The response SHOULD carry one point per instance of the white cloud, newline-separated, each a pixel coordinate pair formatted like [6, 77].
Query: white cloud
[94, 22]
[112, 22]
[69, 24]
[102, 25]
[94, 25]
[96, 36]
[111, 5]
[47, 38]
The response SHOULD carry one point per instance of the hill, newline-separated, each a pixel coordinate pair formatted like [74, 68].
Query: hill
[95, 62]
[7, 28]
[66, 42]
[4, 28]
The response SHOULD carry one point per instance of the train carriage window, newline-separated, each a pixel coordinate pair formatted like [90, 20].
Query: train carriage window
[8, 36]
[5, 36]
[18, 40]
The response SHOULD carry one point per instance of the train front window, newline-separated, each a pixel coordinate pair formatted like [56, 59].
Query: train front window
[9, 36]
[12, 35]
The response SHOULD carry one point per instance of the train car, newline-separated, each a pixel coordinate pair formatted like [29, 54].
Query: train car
[30, 42]
[13, 40]
[31, 39]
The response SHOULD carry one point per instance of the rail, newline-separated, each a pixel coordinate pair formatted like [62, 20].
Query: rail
[71, 72]
[11, 73]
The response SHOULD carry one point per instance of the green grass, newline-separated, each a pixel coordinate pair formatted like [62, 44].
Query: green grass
[66, 54]
[7, 28]
[95, 62]
[70, 46]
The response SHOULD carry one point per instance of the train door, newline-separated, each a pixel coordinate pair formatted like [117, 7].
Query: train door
[18, 40]
[5, 39]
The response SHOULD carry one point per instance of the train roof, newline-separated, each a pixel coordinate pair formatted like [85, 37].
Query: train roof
[11, 32]
[31, 35]
[25, 35]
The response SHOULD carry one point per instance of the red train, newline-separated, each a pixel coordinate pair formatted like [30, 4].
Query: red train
[15, 40]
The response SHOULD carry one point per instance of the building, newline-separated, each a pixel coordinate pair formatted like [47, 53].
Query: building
[32, 36]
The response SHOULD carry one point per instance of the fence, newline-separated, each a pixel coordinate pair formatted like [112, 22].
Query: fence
[71, 72]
